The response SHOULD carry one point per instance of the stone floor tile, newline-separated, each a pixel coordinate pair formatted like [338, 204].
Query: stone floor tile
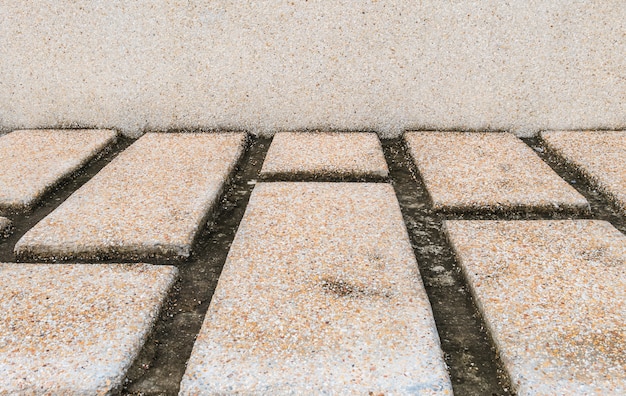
[553, 295]
[34, 161]
[330, 154]
[150, 201]
[75, 329]
[320, 294]
[488, 171]
[600, 155]
[5, 226]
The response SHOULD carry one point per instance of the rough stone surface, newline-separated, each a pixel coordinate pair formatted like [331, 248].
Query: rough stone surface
[75, 329]
[600, 155]
[5, 226]
[325, 153]
[467, 171]
[553, 295]
[33, 161]
[150, 201]
[275, 65]
[320, 294]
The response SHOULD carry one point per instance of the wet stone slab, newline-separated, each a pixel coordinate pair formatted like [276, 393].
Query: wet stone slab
[600, 155]
[34, 161]
[553, 296]
[488, 171]
[74, 329]
[150, 201]
[325, 154]
[320, 294]
[5, 226]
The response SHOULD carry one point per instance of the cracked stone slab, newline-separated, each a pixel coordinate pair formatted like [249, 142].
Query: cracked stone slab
[330, 154]
[553, 296]
[488, 171]
[75, 328]
[34, 161]
[150, 201]
[320, 293]
[5, 226]
[599, 155]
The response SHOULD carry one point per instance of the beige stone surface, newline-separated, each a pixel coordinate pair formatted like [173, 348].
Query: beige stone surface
[320, 294]
[273, 65]
[75, 329]
[600, 155]
[469, 171]
[34, 161]
[553, 295]
[150, 201]
[5, 225]
[325, 154]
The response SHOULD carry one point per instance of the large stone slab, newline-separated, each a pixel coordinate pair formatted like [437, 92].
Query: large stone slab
[553, 296]
[320, 154]
[320, 294]
[75, 329]
[600, 155]
[150, 201]
[488, 171]
[34, 161]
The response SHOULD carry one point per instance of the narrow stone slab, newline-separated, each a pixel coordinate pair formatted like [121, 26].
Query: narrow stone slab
[320, 294]
[600, 155]
[34, 161]
[75, 329]
[5, 226]
[488, 171]
[150, 201]
[330, 154]
[553, 295]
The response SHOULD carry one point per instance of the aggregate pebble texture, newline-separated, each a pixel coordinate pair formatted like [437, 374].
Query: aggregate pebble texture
[600, 155]
[480, 170]
[33, 161]
[325, 154]
[271, 65]
[553, 294]
[150, 201]
[74, 329]
[5, 226]
[320, 294]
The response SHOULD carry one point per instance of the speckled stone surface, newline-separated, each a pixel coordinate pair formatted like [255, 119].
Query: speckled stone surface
[600, 155]
[150, 201]
[75, 329]
[325, 154]
[553, 295]
[272, 65]
[468, 171]
[5, 226]
[33, 161]
[320, 294]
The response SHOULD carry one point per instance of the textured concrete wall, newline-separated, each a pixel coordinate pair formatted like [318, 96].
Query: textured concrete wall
[282, 65]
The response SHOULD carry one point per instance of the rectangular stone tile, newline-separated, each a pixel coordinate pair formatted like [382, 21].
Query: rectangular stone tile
[320, 294]
[34, 161]
[150, 201]
[488, 171]
[75, 329]
[5, 226]
[553, 295]
[600, 155]
[325, 154]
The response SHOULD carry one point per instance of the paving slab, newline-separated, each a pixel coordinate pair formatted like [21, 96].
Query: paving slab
[5, 226]
[74, 329]
[34, 161]
[553, 295]
[325, 154]
[599, 155]
[320, 294]
[150, 201]
[488, 171]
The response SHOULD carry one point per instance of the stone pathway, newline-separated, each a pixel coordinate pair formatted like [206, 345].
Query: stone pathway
[323, 289]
